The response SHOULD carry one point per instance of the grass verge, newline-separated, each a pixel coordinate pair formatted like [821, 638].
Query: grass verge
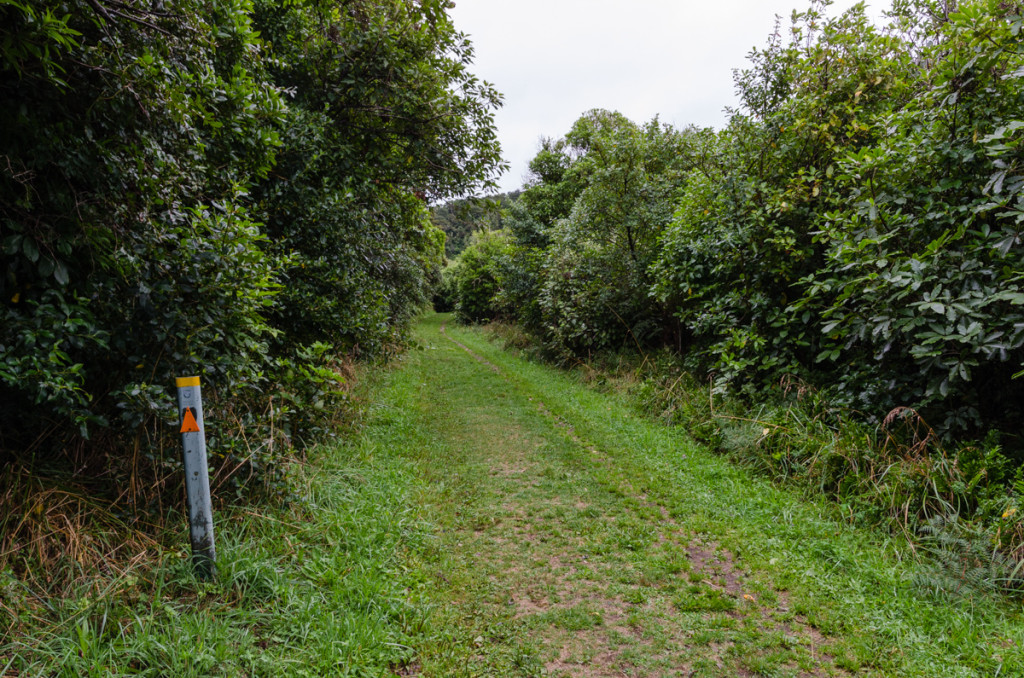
[338, 582]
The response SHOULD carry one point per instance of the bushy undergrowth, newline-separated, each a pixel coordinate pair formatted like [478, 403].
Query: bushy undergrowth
[61, 531]
[898, 474]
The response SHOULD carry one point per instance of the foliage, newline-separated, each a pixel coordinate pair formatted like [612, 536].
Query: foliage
[744, 232]
[387, 116]
[922, 271]
[629, 176]
[236, 189]
[552, 188]
[128, 254]
[965, 560]
[446, 291]
[591, 214]
[521, 269]
[459, 219]
[475, 276]
[858, 226]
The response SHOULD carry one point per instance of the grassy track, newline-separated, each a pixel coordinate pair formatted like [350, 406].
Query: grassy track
[593, 542]
[496, 518]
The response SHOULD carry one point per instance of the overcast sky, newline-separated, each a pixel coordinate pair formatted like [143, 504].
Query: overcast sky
[555, 59]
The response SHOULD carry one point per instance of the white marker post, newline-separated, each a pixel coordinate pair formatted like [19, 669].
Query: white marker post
[197, 477]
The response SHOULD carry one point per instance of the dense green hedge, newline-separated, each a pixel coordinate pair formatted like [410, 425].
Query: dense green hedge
[863, 229]
[229, 188]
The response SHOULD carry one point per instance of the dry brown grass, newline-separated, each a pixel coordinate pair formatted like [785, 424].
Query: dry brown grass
[55, 536]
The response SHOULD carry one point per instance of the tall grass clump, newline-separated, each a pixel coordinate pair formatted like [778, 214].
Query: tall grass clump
[332, 583]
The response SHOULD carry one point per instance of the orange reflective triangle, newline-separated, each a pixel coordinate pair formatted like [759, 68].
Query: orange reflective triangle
[188, 421]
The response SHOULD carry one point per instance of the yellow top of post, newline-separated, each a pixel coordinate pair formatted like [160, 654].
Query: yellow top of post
[182, 382]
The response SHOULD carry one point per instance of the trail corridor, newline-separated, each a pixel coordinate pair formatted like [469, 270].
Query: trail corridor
[578, 539]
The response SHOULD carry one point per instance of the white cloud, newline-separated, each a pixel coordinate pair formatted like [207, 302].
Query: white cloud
[555, 59]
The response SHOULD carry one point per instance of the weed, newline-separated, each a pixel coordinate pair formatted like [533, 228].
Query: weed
[966, 560]
[699, 598]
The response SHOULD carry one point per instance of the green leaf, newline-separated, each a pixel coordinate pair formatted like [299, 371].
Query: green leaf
[60, 273]
[30, 249]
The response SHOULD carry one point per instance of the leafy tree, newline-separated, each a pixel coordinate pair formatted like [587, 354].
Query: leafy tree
[744, 234]
[592, 214]
[521, 270]
[459, 219]
[552, 189]
[857, 224]
[129, 252]
[386, 116]
[228, 188]
[476, 276]
[922, 281]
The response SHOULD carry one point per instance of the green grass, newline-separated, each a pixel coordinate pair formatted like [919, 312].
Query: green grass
[495, 517]
[322, 588]
[859, 589]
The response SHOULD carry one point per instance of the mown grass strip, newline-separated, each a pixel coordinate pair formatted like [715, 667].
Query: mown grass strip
[857, 585]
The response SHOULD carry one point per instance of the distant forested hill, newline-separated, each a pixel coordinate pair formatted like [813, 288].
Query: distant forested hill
[460, 218]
